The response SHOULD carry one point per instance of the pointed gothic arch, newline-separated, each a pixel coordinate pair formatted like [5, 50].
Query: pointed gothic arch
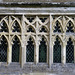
[30, 50]
[43, 28]
[3, 49]
[31, 28]
[69, 51]
[16, 49]
[16, 27]
[70, 26]
[43, 51]
[4, 26]
[57, 51]
[57, 27]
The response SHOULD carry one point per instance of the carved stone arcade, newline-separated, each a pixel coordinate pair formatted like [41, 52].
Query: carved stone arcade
[38, 32]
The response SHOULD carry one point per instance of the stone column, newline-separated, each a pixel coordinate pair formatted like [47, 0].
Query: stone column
[9, 54]
[50, 44]
[52, 54]
[36, 60]
[22, 56]
[9, 49]
[23, 43]
[24, 48]
[37, 53]
[63, 53]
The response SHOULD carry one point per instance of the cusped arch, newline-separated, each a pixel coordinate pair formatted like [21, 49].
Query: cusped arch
[30, 26]
[18, 37]
[20, 28]
[5, 38]
[16, 20]
[43, 49]
[60, 24]
[70, 37]
[45, 38]
[3, 48]
[6, 23]
[60, 39]
[57, 50]
[44, 23]
[30, 49]
[44, 26]
[73, 25]
[16, 48]
[32, 20]
[32, 37]
[70, 50]
[70, 19]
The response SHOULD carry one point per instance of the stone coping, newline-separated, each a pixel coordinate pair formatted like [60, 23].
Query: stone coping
[37, 4]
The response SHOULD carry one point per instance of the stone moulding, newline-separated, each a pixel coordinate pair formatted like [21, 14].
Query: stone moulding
[38, 4]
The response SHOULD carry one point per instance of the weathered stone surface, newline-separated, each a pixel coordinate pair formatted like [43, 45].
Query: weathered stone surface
[38, 1]
[37, 4]
[14, 68]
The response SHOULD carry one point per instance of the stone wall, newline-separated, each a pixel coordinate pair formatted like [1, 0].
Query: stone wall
[14, 68]
[27, 68]
[38, 1]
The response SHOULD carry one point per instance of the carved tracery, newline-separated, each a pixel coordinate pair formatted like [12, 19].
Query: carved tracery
[3, 27]
[28, 30]
[57, 27]
[35, 25]
[16, 27]
[70, 27]
[63, 24]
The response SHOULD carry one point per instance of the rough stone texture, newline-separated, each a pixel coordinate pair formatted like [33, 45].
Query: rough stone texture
[37, 4]
[38, 1]
[14, 68]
